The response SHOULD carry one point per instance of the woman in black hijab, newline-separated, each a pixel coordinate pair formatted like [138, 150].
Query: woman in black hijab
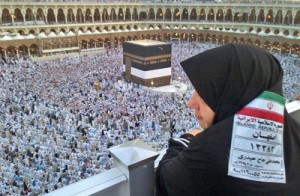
[250, 145]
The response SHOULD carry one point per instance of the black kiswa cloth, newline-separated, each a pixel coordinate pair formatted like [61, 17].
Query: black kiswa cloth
[227, 78]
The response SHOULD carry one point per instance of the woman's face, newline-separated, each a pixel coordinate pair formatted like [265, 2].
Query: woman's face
[203, 113]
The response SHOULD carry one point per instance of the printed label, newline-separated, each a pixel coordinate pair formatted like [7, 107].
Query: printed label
[257, 147]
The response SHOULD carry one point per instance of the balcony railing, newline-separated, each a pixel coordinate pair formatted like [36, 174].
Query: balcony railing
[134, 170]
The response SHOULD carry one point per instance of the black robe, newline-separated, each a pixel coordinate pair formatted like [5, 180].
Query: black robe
[227, 78]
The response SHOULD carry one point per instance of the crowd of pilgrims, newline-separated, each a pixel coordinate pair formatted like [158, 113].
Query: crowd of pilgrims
[58, 118]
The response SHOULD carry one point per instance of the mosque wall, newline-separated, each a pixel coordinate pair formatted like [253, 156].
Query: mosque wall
[30, 28]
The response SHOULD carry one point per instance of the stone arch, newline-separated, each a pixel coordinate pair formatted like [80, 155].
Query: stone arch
[252, 17]
[143, 16]
[97, 15]
[159, 14]
[295, 49]
[168, 15]
[105, 16]
[32, 32]
[128, 27]
[184, 37]
[208, 38]
[6, 16]
[18, 15]
[129, 38]
[135, 37]
[234, 40]
[72, 30]
[228, 15]
[192, 37]
[70, 16]
[88, 15]
[220, 39]
[200, 37]
[278, 17]
[267, 45]
[79, 16]
[128, 14]
[296, 33]
[202, 14]
[297, 18]
[120, 14]
[21, 32]
[11, 51]
[23, 50]
[29, 16]
[261, 16]
[176, 15]
[185, 15]
[257, 43]
[237, 17]
[285, 48]
[286, 32]
[91, 43]
[242, 41]
[288, 18]
[40, 15]
[122, 39]
[113, 15]
[270, 17]
[214, 39]
[84, 44]
[151, 14]
[193, 14]
[99, 43]
[276, 47]
[51, 16]
[135, 15]
[167, 37]
[220, 15]
[107, 43]
[210, 15]
[61, 16]
[249, 41]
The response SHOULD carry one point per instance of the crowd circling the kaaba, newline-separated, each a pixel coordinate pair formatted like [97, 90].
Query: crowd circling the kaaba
[56, 125]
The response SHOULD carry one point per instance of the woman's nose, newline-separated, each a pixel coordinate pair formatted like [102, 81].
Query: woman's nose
[191, 103]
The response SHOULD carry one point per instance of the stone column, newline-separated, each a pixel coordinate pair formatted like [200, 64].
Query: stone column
[92, 12]
[66, 18]
[55, 12]
[17, 50]
[5, 55]
[23, 12]
[11, 12]
[28, 49]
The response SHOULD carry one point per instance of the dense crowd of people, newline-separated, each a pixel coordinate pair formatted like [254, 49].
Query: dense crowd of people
[56, 124]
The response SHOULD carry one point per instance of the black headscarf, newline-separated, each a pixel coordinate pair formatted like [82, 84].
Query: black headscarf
[228, 77]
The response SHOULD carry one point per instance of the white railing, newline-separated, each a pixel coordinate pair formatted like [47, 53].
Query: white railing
[134, 170]
[133, 174]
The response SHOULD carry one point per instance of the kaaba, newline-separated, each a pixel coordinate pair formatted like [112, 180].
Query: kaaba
[147, 62]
